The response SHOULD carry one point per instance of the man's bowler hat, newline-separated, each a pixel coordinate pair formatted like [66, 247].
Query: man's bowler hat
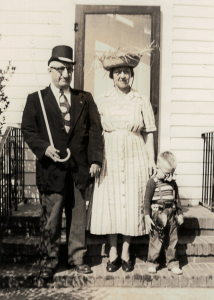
[62, 53]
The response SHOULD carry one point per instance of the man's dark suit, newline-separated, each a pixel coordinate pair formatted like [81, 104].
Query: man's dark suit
[86, 145]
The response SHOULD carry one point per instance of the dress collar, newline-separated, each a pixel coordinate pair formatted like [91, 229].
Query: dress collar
[127, 97]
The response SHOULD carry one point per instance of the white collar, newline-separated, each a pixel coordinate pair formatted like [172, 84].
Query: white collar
[132, 94]
[56, 93]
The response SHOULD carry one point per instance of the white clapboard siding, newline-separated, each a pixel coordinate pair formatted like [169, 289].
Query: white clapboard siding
[28, 80]
[193, 47]
[193, 23]
[187, 143]
[189, 180]
[193, 58]
[27, 18]
[189, 132]
[16, 105]
[196, 10]
[193, 35]
[192, 120]
[31, 5]
[26, 67]
[13, 117]
[20, 92]
[196, 83]
[193, 70]
[28, 27]
[188, 168]
[192, 95]
[19, 30]
[187, 107]
[28, 42]
[190, 156]
[194, 193]
[194, 3]
[23, 54]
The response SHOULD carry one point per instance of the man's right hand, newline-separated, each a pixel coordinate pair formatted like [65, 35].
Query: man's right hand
[52, 153]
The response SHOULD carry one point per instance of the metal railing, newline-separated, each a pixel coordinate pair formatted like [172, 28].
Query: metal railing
[208, 170]
[11, 173]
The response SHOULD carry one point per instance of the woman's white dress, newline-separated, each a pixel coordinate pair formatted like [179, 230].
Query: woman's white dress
[118, 199]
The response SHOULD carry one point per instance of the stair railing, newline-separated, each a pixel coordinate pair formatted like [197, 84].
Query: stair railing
[208, 171]
[11, 173]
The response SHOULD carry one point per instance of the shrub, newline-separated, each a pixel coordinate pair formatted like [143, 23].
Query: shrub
[4, 102]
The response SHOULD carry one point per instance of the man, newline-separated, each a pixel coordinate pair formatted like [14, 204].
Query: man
[75, 124]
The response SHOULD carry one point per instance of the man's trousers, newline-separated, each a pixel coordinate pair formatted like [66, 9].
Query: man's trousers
[50, 225]
[168, 237]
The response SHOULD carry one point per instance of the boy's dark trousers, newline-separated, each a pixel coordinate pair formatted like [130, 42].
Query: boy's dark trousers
[168, 237]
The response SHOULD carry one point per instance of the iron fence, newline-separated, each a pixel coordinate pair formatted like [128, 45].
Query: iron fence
[208, 166]
[11, 173]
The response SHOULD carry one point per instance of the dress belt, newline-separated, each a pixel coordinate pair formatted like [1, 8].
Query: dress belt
[126, 132]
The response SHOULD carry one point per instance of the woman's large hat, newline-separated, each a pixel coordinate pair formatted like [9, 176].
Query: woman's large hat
[122, 58]
[121, 61]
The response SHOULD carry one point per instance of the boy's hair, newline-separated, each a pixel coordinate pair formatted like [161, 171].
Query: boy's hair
[169, 157]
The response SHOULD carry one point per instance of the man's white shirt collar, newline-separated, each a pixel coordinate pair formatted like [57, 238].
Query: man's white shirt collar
[57, 94]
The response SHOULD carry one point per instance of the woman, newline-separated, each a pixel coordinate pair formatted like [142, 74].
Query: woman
[118, 198]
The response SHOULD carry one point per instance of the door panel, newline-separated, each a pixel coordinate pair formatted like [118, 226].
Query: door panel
[101, 28]
[105, 32]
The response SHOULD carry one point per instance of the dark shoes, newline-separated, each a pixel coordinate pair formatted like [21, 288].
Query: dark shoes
[114, 265]
[127, 266]
[83, 269]
[46, 273]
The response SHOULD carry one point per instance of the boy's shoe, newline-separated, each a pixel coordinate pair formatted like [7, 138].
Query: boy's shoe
[177, 271]
[152, 270]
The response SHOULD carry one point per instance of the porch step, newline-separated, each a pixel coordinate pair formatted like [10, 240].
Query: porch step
[192, 249]
[27, 275]
[198, 221]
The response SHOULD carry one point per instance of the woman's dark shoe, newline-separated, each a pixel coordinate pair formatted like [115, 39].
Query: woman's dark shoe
[114, 265]
[127, 266]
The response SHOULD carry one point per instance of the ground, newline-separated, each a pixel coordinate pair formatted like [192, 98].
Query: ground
[107, 294]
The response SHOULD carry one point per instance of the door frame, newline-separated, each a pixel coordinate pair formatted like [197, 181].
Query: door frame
[154, 12]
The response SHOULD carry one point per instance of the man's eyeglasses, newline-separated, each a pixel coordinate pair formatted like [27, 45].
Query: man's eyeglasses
[62, 69]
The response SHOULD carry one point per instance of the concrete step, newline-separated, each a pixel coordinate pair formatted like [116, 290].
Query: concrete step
[198, 221]
[192, 249]
[35, 231]
[27, 275]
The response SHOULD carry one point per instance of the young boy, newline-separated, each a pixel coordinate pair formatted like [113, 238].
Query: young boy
[162, 197]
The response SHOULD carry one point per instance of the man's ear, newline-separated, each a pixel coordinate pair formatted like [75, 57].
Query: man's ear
[49, 70]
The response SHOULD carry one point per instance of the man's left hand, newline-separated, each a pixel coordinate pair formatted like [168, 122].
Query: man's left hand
[94, 170]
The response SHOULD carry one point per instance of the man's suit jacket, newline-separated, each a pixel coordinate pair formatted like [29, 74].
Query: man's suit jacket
[84, 139]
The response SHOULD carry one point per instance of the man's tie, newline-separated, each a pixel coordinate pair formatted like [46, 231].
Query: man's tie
[65, 109]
